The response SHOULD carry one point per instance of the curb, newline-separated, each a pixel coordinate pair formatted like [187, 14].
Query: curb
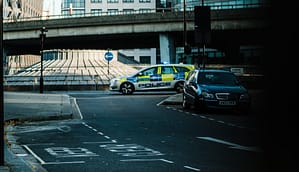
[16, 160]
[42, 118]
[173, 100]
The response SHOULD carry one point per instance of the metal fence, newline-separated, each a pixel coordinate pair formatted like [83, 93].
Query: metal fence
[134, 12]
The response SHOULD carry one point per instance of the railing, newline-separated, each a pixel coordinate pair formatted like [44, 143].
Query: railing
[134, 12]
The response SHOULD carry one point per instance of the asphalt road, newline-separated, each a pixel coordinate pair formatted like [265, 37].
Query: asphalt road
[137, 133]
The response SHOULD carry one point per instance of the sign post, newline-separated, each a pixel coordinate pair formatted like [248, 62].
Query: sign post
[1, 89]
[202, 27]
[108, 56]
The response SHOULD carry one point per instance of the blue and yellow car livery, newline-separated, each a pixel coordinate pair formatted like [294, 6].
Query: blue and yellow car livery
[170, 76]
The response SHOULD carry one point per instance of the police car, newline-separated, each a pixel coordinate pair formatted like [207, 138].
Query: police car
[157, 77]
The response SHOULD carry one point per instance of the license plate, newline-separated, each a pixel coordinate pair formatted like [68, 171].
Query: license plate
[227, 103]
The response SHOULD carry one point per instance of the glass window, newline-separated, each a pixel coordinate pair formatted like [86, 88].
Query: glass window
[112, 11]
[150, 71]
[191, 76]
[145, 59]
[145, 10]
[128, 1]
[144, 1]
[167, 70]
[128, 11]
[181, 69]
[217, 78]
[112, 1]
[75, 4]
[96, 12]
[95, 1]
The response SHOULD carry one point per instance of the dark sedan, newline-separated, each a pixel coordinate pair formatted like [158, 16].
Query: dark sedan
[215, 89]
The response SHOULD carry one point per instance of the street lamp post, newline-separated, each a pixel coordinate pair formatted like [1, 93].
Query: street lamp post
[1, 87]
[184, 32]
[42, 37]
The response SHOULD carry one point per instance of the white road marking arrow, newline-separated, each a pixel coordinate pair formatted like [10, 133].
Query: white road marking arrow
[232, 145]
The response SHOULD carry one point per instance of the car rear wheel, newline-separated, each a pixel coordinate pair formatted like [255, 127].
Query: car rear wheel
[127, 88]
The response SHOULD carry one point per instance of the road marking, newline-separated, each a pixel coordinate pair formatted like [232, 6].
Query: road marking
[77, 107]
[192, 168]
[71, 162]
[104, 142]
[32, 153]
[160, 103]
[194, 114]
[146, 160]
[170, 162]
[232, 145]
[64, 152]
[203, 117]
[231, 124]
[212, 119]
[209, 118]
[21, 154]
[131, 150]
[41, 144]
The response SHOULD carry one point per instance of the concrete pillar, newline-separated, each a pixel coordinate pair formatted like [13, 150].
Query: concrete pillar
[167, 48]
[232, 53]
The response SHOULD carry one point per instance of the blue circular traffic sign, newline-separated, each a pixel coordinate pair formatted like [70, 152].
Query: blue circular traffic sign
[108, 56]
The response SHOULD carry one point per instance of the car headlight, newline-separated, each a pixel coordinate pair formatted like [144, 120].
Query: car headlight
[207, 95]
[114, 81]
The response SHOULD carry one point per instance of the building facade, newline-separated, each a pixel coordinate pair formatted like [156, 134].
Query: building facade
[77, 7]
[17, 10]
[114, 7]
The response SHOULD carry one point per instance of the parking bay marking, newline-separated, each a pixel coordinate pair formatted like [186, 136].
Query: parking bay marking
[63, 152]
[131, 150]
[232, 145]
[49, 163]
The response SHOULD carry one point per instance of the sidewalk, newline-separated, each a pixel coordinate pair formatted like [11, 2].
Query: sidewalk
[21, 107]
[176, 99]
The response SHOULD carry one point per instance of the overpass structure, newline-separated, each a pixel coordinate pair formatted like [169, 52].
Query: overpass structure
[231, 28]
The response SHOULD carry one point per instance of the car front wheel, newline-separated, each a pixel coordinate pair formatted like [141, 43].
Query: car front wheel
[127, 88]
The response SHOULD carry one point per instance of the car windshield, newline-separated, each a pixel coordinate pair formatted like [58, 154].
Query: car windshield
[217, 78]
